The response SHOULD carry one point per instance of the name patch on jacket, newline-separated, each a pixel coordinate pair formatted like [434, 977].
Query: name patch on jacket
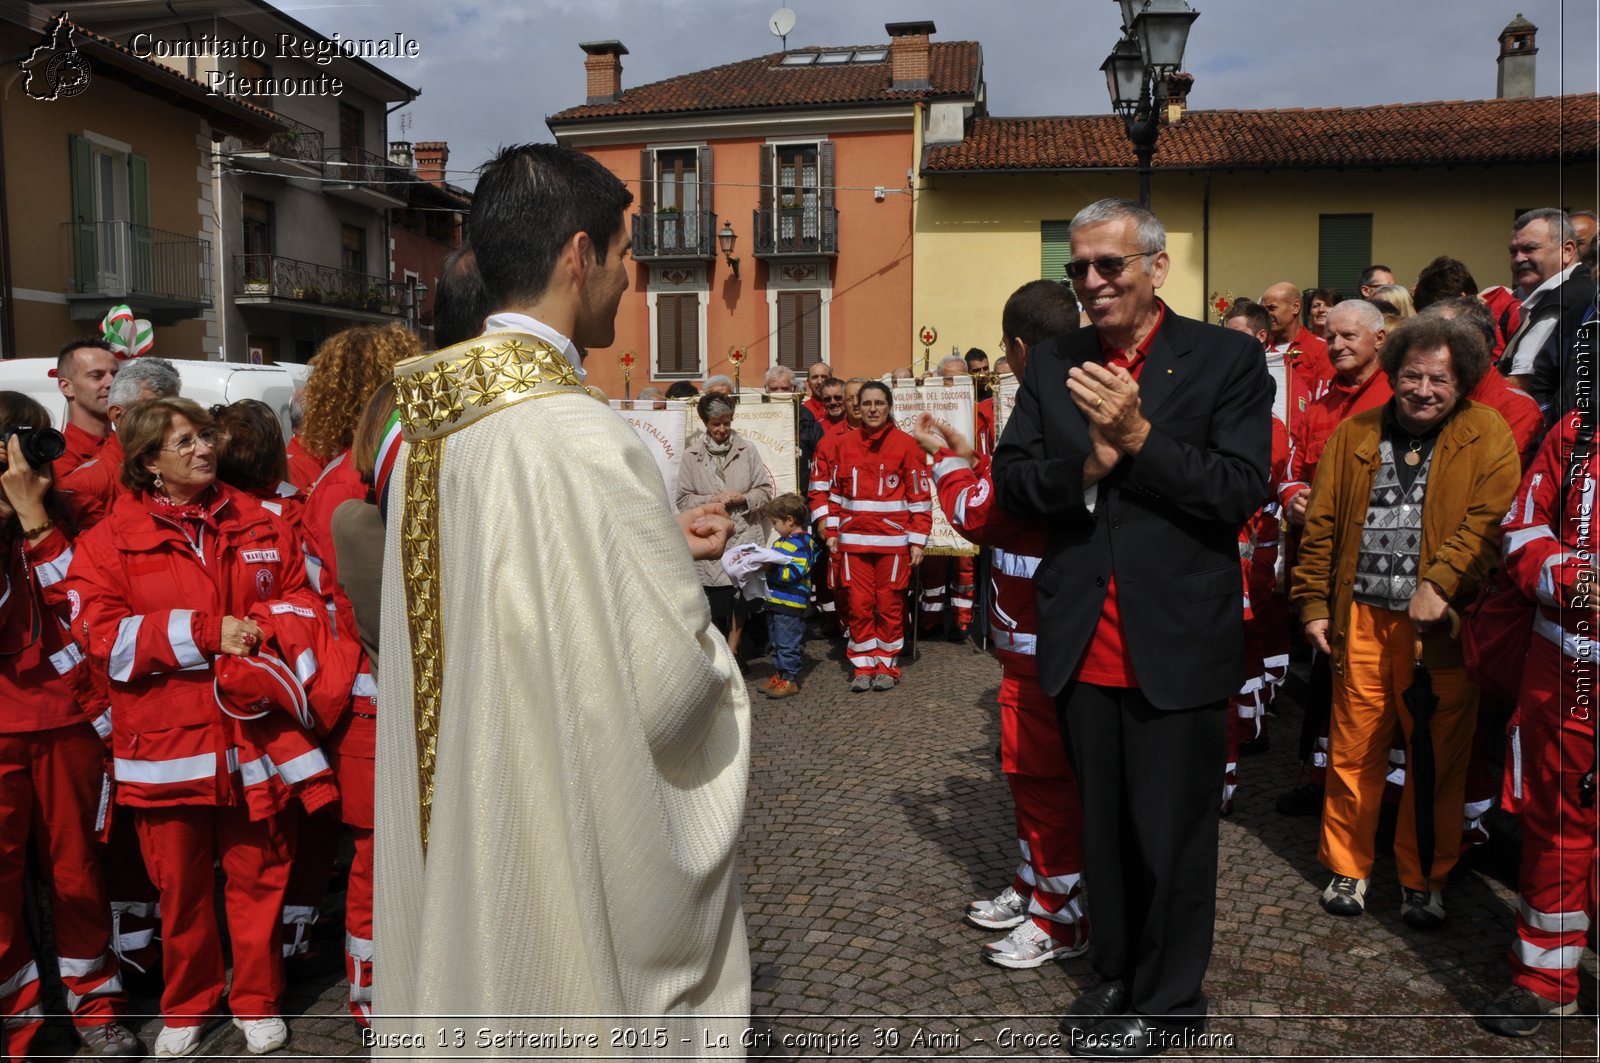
[259, 557]
[279, 608]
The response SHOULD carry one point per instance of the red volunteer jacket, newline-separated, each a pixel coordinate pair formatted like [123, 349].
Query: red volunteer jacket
[146, 600]
[1517, 407]
[983, 426]
[355, 736]
[878, 498]
[1308, 355]
[81, 447]
[823, 460]
[1550, 545]
[304, 466]
[44, 680]
[1331, 409]
[966, 495]
[89, 490]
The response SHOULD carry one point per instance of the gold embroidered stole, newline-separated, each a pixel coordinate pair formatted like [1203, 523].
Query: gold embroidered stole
[438, 394]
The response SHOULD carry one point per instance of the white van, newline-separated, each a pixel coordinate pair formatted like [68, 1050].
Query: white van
[208, 383]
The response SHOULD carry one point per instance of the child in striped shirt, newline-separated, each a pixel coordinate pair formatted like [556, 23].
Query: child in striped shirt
[788, 592]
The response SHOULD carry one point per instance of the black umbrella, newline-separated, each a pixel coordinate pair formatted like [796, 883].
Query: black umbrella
[1421, 701]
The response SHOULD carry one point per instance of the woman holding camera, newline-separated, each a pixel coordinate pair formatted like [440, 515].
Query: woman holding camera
[158, 593]
[50, 759]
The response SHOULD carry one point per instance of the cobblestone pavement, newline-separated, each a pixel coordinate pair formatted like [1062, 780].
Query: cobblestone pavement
[874, 818]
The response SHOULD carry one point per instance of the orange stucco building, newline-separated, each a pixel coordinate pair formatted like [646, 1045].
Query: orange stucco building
[805, 158]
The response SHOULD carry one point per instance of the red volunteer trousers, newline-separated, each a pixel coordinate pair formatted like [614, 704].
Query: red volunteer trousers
[876, 585]
[1554, 746]
[135, 907]
[358, 928]
[316, 850]
[182, 844]
[1049, 815]
[50, 790]
[947, 582]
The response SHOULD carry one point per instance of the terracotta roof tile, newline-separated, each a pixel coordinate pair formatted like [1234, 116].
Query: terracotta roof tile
[763, 82]
[1407, 134]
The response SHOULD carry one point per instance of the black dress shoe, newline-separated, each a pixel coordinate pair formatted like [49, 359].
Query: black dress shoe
[1094, 1007]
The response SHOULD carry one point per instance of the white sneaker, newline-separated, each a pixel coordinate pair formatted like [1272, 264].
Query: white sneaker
[263, 1035]
[1002, 913]
[178, 1040]
[1028, 947]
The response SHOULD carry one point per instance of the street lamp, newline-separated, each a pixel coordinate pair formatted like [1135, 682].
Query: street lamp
[1154, 34]
[725, 240]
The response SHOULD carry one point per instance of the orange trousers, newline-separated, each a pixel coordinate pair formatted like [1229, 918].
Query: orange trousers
[1368, 696]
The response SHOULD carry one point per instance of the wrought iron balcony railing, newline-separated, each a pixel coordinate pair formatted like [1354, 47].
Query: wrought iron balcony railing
[123, 260]
[359, 166]
[675, 234]
[300, 142]
[259, 278]
[804, 230]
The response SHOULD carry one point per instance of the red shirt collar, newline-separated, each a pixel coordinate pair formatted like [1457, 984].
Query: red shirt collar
[1116, 354]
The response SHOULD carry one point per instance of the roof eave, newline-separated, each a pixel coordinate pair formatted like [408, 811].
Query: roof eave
[223, 112]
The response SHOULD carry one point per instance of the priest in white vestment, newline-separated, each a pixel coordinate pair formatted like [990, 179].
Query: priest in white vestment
[563, 738]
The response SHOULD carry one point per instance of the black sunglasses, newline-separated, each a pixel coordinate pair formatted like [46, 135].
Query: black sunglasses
[1107, 266]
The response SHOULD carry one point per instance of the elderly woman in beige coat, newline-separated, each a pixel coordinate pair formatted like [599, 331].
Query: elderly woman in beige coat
[723, 466]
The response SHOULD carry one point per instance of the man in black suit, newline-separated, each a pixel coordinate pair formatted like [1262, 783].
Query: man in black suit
[1144, 442]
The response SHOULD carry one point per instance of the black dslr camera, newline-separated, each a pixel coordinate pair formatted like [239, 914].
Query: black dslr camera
[40, 446]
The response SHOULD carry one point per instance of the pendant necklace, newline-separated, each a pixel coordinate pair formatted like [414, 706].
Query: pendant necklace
[1414, 453]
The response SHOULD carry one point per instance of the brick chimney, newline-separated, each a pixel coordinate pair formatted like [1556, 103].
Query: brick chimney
[1516, 60]
[603, 65]
[432, 156]
[1172, 95]
[908, 54]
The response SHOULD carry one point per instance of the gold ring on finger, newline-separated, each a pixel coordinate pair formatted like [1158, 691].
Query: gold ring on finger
[1099, 401]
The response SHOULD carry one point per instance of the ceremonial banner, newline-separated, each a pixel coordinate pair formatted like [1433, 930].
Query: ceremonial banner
[663, 431]
[953, 402]
[1005, 398]
[772, 424]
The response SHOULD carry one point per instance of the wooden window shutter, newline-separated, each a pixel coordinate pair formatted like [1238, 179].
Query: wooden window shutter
[766, 226]
[799, 329]
[677, 335]
[1344, 249]
[825, 175]
[706, 190]
[647, 181]
[1055, 249]
[788, 329]
[810, 330]
[141, 239]
[85, 241]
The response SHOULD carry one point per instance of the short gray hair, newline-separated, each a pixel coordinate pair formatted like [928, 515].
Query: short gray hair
[1151, 234]
[1370, 317]
[155, 375]
[778, 374]
[720, 380]
[297, 409]
[652, 393]
[961, 363]
[1554, 217]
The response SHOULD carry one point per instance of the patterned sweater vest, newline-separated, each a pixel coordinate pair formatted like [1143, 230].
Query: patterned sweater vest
[1391, 536]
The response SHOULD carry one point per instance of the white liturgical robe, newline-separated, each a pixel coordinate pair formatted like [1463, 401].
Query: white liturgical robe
[547, 648]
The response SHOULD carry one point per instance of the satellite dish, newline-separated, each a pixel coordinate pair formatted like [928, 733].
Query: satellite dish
[781, 22]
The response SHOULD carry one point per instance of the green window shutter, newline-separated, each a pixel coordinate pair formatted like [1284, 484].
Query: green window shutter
[1344, 249]
[141, 241]
[1055, 249]
[85, 262]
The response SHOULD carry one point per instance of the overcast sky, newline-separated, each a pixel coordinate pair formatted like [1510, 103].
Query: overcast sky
[491, 70]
